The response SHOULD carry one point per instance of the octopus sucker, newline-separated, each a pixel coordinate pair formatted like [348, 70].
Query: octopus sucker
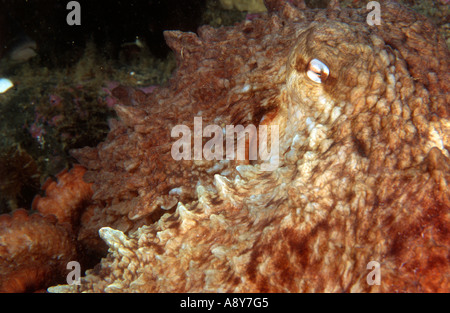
[362, 169]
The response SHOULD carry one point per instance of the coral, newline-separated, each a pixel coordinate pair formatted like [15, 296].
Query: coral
[34, 252]
[363, 169]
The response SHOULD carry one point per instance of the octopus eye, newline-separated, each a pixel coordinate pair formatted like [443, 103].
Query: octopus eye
[317, 71]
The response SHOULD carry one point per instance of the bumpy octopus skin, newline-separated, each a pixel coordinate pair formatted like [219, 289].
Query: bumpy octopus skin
[34, 251]
[363, 171]
[65, 196]
[35, 248]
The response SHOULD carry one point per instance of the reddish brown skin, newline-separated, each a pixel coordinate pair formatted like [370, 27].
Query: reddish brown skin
[29, 250]
[369, 184]
[35, 248]
[65, 196]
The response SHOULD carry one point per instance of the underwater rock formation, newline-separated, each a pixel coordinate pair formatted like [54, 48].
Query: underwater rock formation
[246, 5]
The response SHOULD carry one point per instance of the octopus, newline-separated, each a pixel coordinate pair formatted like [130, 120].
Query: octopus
[36, 248]
[361, 175]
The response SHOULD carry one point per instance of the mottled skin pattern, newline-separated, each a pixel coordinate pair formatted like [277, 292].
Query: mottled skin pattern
[35, 248]
[363, 173]
[34, 251]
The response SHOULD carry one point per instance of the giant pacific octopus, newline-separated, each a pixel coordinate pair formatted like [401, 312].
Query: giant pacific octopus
[36, 248]
[362, 175]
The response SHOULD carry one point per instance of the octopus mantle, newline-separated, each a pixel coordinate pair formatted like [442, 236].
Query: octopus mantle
[364, 136]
